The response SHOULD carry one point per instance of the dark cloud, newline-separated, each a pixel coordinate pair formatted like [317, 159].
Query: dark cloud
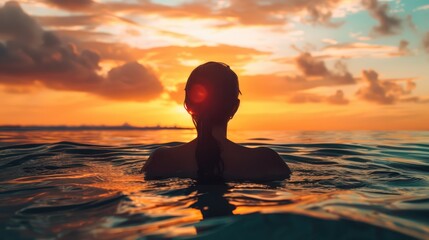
[403, 48]
[384, 91]
[131, 81]
[71, 4]
[337, 98]
[17, 25]
[426, 42]
[387, 25]
[90, 20]
[321, 16]
[316, 69]
[46, 59]
[311, 66]
[76, 36]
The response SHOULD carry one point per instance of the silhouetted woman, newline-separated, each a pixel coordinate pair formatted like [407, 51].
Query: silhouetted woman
[212, 99]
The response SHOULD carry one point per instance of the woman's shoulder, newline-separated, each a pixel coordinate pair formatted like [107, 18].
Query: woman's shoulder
[261, 163]
[258, 153]
[267, 156]
[164, 160]
[165, 152]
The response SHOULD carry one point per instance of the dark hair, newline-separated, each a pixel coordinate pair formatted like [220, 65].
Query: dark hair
[211, 98]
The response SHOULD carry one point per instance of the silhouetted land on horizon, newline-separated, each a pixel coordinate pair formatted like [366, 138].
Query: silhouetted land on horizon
[85, 128]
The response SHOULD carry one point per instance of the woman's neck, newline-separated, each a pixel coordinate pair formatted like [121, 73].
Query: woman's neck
[219, 131]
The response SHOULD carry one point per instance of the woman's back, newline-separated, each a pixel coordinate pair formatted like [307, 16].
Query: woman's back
[240, 163]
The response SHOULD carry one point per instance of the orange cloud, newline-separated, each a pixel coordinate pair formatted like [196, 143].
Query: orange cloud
[71, 4]
[337, 98]
[359, 50]
[251, 12]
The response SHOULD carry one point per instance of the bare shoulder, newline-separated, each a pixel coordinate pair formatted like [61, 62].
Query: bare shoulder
[155, 161]
[166, 161]
[266, 164]
[271, 157]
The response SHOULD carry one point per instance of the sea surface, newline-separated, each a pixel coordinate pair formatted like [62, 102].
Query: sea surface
[87, 185]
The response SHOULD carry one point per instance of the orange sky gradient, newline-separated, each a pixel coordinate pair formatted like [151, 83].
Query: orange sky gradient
[302, 65]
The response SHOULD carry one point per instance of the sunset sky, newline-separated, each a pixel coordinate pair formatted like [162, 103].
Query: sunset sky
[302, 64]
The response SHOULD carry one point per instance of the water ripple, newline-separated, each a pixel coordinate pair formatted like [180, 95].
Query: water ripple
[69, 189]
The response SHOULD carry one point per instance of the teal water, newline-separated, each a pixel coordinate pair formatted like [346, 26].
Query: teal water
[87, 185]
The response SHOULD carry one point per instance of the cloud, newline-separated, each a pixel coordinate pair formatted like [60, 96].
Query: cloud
[306, 98]
[250, 12]
[83, 27]
[40, 56]
[321, 15]
[387, 25]
[17, 25]
[337, 98]
[77, 36]
[359, 50]
[384, 91]
[330, 41]
[315, 71]
[426, 42]
[313, 74]
[403, 48]
[424, 7]
[131, 81]
[71, 4]
[311, 66]
[89, 21]
[176, 62]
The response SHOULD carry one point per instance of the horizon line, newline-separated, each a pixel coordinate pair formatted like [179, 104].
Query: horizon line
[125, 126]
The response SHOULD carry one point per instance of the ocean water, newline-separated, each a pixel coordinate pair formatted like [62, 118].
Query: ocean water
[87, 185]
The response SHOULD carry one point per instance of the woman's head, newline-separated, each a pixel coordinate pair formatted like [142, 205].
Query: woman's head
[212, 99]
[212, 93]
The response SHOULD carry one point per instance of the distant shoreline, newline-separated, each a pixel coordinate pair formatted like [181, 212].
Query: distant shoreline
[127, 127]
